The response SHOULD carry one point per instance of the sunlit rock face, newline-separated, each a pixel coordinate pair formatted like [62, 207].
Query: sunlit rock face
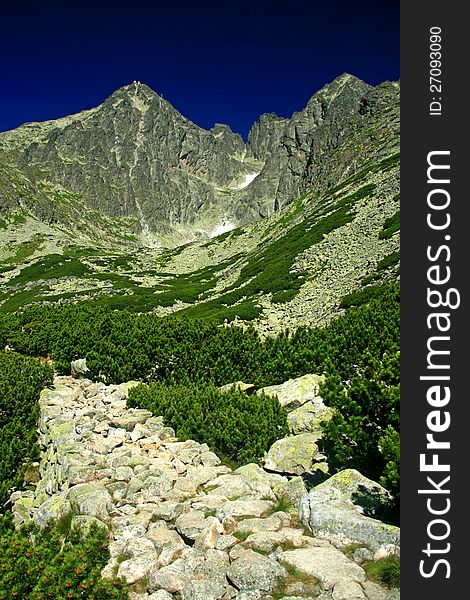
[136, 157]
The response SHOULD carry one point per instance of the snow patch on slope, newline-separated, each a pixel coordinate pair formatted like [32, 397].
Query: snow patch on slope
[222, 228]
[246, 182]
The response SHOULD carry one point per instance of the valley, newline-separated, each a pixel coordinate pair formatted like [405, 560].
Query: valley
[141, 264]
[243, 299]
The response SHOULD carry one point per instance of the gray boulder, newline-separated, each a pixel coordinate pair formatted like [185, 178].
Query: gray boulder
[253, 571]
[90, 499]
[326, 564]
[78, 369]
[295, 454]
[343, 508]
[309, 417]
[295, 392]
[54, 508]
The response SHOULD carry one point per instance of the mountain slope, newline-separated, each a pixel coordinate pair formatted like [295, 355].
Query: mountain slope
[136, 156]
[88, 204]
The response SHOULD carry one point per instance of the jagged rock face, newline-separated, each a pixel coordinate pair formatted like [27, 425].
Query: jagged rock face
[265, 135]
[136, 156]
[312, 150]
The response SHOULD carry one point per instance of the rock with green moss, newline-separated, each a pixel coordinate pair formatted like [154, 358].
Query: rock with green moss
[295, 454]
[347, 507]
[253, 571]
[56, 507]
[291, 490]
[295, 392]
[259, 481]
[21, 511]
[248, 388]
[309, 417]
[90, 499]
[85, 522]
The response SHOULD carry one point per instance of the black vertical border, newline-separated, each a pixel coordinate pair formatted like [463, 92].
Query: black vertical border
[420, 134]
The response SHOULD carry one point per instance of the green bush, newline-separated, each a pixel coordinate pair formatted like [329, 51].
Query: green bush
[236, 426]
[390, 260]
[39, 564]
[21, 380]
[386, 570]
[364, 433]
[391, 226]
[357, 352]
[361, 297]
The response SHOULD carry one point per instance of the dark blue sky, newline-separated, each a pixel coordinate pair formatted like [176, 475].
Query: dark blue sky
[224, 62]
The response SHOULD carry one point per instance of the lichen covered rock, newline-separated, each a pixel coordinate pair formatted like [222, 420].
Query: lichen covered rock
[343, 506]
[295, 454]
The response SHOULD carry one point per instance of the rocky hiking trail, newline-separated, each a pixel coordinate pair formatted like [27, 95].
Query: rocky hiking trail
[183, 525]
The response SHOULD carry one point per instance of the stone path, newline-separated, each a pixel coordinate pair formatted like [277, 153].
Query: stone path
[182, 525]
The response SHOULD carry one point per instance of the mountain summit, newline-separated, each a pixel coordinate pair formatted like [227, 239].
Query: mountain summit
[135, 157]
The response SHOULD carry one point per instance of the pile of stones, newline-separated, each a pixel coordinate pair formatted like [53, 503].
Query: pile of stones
[183, 525]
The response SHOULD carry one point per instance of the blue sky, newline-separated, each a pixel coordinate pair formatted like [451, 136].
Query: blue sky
[224, 62]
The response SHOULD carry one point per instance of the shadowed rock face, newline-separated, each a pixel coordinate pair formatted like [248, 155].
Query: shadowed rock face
[136, 156]
[313, 149]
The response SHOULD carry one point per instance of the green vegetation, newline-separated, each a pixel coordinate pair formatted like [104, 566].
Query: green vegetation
[236, 426]
[294, 209]
[390, 260]
[25, 249]
[351, 548]
[363, 296]
[283, 296]
[36, 564]
[220, 309]
[49, 267]
[186, 288]
[224, 236]
[364, 432]
[270, 270]
[12, 219]
[21, 380]
[391, 226]
[358, 352]
[386, 570]
[6, 268]
[23, 297]
[167, 255]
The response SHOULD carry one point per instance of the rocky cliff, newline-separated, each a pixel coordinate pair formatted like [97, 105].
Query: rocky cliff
[136, 157]
[318, 147]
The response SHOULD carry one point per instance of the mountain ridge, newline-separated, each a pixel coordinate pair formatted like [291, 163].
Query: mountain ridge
[135, 155]
[280, 229]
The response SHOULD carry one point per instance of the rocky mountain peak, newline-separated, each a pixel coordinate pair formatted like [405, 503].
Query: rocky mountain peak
[343, 95]
[135, 89]
[136, 157]
[265, 135]
[137, 95]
